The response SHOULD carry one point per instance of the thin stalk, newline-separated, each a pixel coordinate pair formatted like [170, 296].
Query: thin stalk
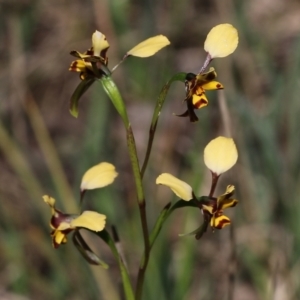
[206, 63]
[214, 182]
[128, 290]
[142, 210]
[159, 105]
[116, 98]
[142, 205]
[135, 166]
[165, 213]
[114, 68]
[149, 148]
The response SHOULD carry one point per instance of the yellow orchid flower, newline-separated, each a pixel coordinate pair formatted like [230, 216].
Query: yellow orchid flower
[97, 54]
[195, 86]
[213, 208]
[62, 224]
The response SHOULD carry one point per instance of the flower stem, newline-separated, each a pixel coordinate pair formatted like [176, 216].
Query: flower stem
[206, 63]
[144, 262]
[159, 105]
[142, 209]
[114, 68]
[105, 236]
[116, 98]
[214, 182]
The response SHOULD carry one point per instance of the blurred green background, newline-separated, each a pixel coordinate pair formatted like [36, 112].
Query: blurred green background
[44, 150]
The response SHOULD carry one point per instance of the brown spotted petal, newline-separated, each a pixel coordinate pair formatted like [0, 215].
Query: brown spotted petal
[219, 221]
[60, 218]
[199, 99]
[213, 85]
[82, 56]
[89, 56]
[212, 208]
[195, 87]
[58, 238]
[80, 66]
[225, 200]
[60, 223]
[84, 68]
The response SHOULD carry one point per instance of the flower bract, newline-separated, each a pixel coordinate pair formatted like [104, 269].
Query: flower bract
[195, 86]
[220, 155]
[62, 224]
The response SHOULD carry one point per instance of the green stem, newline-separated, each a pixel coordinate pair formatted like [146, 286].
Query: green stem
[135, 165]
[142, 209]
[159, 105]
[116, 98]
[128, 290]
[214, 182]
[143, 215]
[165, 213]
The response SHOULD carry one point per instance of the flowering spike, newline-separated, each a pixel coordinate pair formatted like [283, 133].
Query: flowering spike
[62, 224]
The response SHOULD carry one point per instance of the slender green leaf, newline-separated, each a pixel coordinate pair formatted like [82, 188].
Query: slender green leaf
[86, 251]
[113, 93]
[105, 236]
[159, 105]
[79, 91]
[165, 213]
[162, 96]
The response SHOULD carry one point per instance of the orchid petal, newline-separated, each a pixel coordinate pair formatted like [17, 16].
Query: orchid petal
[149, 47]
[220, 155]
[99, 42]
[90, 220]
[98, 176]
[221, 41]
[179, 187]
